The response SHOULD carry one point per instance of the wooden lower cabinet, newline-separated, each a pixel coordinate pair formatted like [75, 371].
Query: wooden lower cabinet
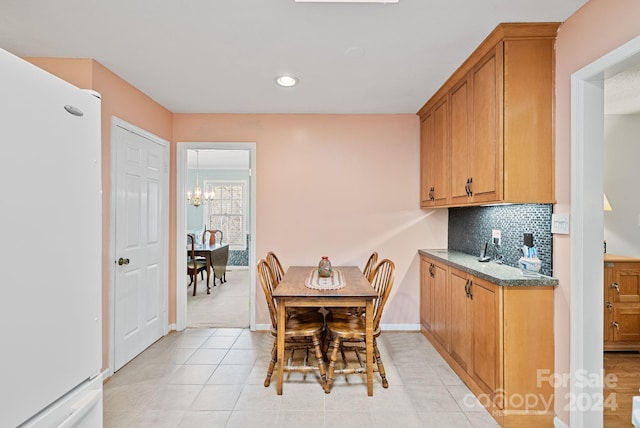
[621, 303]
[434, 298]
[461, 320]
[500, 343]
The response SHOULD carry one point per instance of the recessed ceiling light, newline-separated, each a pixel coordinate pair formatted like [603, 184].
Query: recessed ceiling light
[286, 81]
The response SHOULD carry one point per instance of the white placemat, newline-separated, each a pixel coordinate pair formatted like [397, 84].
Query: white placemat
[335, 281]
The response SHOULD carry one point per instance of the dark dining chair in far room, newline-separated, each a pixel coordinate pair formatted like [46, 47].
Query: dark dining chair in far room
[302, 332]
[215, 236]
[195, 265]
[346, 332]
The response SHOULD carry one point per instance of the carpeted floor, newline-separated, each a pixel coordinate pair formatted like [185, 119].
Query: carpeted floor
[226, 306]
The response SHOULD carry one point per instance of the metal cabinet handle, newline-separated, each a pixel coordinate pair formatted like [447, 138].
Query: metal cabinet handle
[608, 305]
[466, 187]
[616, 325]
[467, 289]
[616, 286]
[470, 189]
[122, 261]
[431, 273]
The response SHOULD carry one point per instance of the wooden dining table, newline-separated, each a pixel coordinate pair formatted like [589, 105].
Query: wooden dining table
[217, 257]
[292, 292]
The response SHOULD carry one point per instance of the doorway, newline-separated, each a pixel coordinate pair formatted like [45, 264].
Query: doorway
[587, 272]
[220, 167]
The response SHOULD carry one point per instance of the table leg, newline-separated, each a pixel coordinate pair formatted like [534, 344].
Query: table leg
[280, 346]
[208, 261]
[369, 345]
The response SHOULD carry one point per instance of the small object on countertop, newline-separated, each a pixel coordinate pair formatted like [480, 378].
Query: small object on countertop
[528, 239]
[483, 256]
[324, 267]
[530, 265]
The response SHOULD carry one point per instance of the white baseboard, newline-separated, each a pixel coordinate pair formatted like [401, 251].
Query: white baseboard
[263, 327]
[400, 327]
[107, 374]
[558, 423]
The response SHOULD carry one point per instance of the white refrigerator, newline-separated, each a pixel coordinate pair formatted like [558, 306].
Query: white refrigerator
[50, 241]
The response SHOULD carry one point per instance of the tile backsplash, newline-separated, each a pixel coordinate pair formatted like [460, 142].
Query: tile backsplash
[470, 228]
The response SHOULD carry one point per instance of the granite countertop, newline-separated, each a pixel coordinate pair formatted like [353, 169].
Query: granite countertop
[495, 273]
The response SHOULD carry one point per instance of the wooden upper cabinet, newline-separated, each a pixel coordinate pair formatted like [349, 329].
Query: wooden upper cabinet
[461, 152]
[486, 160]
[500, 143]
[434, 155]
[426, 150]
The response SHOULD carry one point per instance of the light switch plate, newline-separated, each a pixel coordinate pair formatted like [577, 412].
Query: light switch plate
[560, 224]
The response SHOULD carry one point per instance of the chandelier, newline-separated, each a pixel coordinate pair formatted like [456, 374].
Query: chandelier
[196, 197]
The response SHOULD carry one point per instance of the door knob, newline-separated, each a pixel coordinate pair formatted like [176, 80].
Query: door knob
[122, 261]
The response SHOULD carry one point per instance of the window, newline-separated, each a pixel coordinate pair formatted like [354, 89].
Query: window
[226, 212]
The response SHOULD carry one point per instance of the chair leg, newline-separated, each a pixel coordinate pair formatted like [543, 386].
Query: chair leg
[195, 282]
[272, 363]
[317, 344]
[378, 360]
[332, 364]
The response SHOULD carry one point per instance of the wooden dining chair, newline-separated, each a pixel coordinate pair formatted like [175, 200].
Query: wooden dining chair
[367, 271]
[276, 266]
[278, 274]
[215, 236]
[346, 332]
[302, 332]
[195, 265]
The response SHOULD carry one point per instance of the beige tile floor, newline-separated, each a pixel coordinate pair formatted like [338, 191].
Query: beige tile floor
[213, 377]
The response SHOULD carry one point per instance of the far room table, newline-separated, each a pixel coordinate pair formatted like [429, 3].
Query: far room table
[217, 257]
[357, 292]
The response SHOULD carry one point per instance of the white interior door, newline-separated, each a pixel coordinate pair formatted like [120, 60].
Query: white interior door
[140, 281]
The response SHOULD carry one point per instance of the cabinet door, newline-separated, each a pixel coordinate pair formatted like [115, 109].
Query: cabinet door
[440, 149]
[426, 301]
[460, 156]
[486, 165]
[434, 156]
[461, 331]
[626, 324]
[608, 303]
[484, 319]
[626, 283]
[426, 169]
[440, 308]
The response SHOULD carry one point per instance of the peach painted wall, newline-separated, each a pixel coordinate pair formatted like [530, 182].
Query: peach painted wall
[597, 28]
[335, 185]
[124, 101]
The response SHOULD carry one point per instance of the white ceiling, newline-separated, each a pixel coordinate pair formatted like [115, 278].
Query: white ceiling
[214, 56]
